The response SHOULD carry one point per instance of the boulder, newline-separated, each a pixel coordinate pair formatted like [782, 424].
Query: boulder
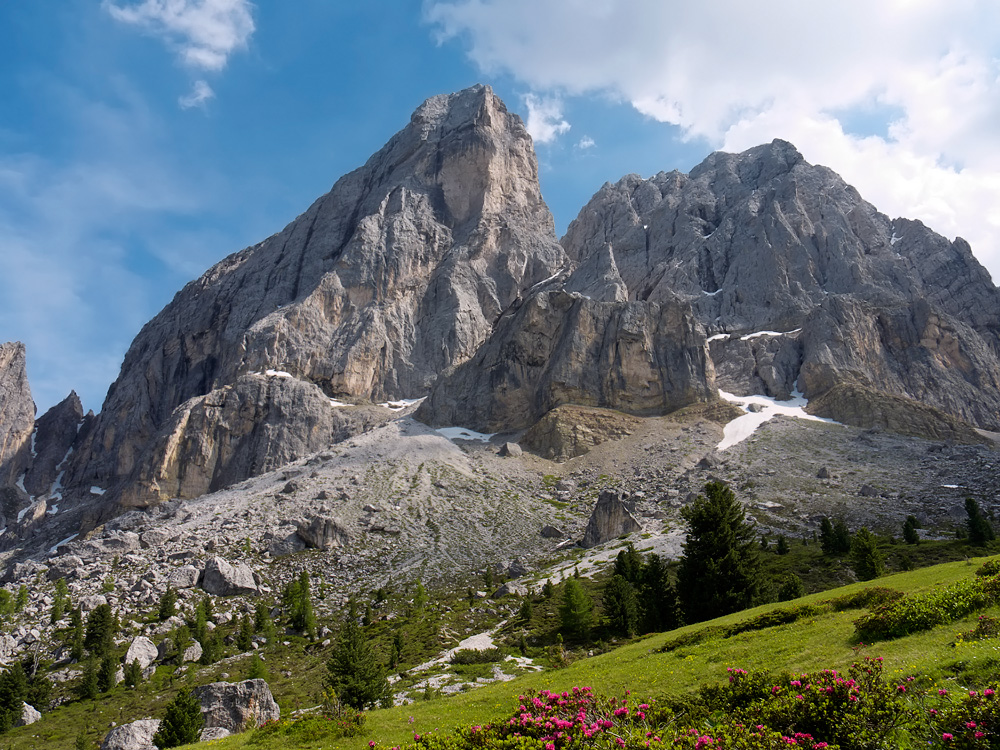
[322, 532]
[213, 733]
[224, 579]
[551, 532]
[142, 650]
[193, 652]
[137, 735]
[236, 706]
[609, 520]
[184, 577]
[29, 715]
[512, 450]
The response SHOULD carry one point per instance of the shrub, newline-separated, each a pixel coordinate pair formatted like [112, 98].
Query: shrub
[182, 722]
[989, 568]
[473, 656]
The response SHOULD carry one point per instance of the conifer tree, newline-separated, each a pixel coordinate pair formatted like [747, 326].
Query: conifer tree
[102, 625]
[244, 636]
[89, 688]
[621, 606]
[657, 597]
[13, 691]
[133, 673]
[168, 604]
[59, 601]
[720, 570]
[76, 636]
[262, 622]
[353, 671]
[106, 673]
[628, 564]
[577, 610]
[980, 530]
[782, 547]
[910, 526]
[866, 559]
[182, 723]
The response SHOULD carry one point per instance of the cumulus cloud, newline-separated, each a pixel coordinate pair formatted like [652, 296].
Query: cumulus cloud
[586, 143]
[203, 32]
[734, 74]
[201, 92]
[545, 118]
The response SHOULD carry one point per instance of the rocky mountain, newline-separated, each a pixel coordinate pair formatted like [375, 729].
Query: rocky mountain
[396, 274]
[433, 271]
[781, 271]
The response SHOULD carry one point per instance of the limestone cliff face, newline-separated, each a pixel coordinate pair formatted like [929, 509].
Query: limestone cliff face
[763, 241]
[395, 275]
[17, 415]
[564, 348]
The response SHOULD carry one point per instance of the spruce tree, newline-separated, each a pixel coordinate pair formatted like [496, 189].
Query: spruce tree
[182, 723]
[720, 570]
[13, 691]
[353, 671]
[89, 687]
[262, 622]
[76, 634]
[782, 547]
[59, 601]
[576, 611]
[102, 625]
[106, 673]
[866, 559]
[980, 530]
[621, 606]
[658, 599]
[244, 636]
[628, 564]
[910, 526]
[133, 673]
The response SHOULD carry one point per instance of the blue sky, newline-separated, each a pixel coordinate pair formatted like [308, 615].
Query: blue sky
[143, 140]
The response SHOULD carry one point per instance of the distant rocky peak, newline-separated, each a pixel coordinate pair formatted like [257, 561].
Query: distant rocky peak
[17, 414]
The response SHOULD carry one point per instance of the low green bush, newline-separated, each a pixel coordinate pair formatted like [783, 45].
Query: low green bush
[474, 656]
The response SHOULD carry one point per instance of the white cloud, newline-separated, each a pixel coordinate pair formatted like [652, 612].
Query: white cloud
[203, 32]
[201, 92]
[545, 118]
[735, 74]
[586, 143]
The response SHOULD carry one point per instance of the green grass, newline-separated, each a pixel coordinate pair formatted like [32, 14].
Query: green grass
[826, 640]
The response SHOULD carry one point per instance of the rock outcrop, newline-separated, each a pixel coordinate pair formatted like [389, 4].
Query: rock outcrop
[55, 433]
[137, 735]
[17, 415]
[797, 280]
[564, 348]
[221, 578]
[395, 275]
[609, 520]
[322, 532]
[570, 431]
[237, 706]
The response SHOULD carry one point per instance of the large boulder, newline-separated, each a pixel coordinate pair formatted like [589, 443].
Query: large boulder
[322, 532]
[142, 650]
[609, 520]
[224, 579]
[29, 715]
[237, 705]
[137, 735]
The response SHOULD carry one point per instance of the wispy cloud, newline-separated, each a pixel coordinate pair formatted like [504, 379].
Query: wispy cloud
[586, 143]
[734, 74]
[201, 92]
[545, 118]
[203, 32]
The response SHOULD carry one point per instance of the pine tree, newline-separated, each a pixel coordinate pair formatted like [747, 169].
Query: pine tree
[866, 559]
[13, 691]
[262, 622]
[719, 571]
[834, 538]
[76, 636]
[980, 530]
[168, 604]
[420, 597]
[657, 596]
[102, 625]
[628, 564]
[182, 722]
[133, 673]
[790, 587]
[353, 671]
[576, 611]
[782, 547]
[22, 598]
[297, 599]
[211, 648]
[59, 601]
[910, 526]
[257, 669]
[621, 606]
[106, 673]
[244, 636]
[89, 687]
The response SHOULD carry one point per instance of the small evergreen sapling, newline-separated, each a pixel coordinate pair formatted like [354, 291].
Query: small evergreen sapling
[182, 723]
[866, 559]
[353, 671]
[980, 530]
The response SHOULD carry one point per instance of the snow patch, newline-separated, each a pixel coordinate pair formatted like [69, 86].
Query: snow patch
[20, 484]
[401, 404]
[335, 402]
[719, 337]
[710, 294]
[278, 374]
[95, 490]
[768, 333]
[460, 433]
[743, 427]
[951, 486]
[67, 540]
[894, 239]
[53, 510]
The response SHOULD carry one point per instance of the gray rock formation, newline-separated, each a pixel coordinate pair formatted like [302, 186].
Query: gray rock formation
[29, 715]
[560, 348]
[570, 431]
[609, 520]
[254, 425]
[137, 735]
[221, 578]
[142, 650]
[764, 241]
[237, 705]
[393, 276]
[55, 433]
[17, 415]
[322, 532]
